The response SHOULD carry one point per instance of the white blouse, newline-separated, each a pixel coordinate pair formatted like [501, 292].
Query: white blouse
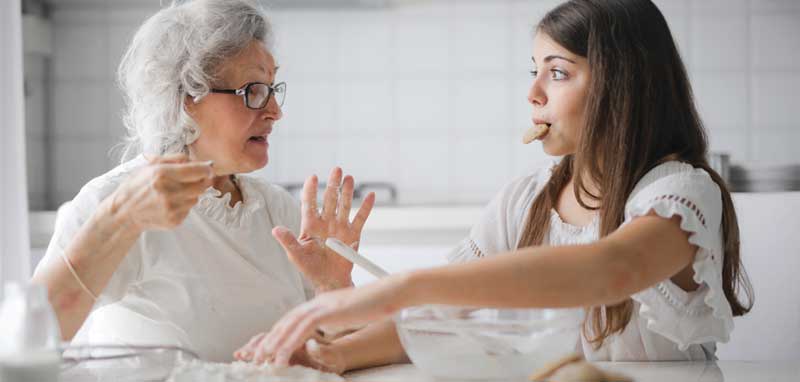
[208, 285]
[668, 323]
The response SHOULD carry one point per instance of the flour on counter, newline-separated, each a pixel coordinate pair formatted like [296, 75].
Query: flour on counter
[239, 371]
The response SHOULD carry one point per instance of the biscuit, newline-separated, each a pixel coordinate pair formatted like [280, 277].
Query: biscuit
[573, 368]
[544, 372]
[534, 133]
[586, 372]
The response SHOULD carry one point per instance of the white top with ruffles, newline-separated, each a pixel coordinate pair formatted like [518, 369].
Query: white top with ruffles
[208, 285]
[668, 323]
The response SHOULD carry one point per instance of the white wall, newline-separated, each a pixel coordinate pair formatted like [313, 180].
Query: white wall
[431, 96]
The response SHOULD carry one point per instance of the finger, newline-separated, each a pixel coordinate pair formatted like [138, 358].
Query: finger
[289, 243]
[245, 353]
[187, 172]
[170, 158]
[281, 330]
[193, 189]
[266, 348]
[260, 352]
[363, 212]
[309, 198]
[296, 338]
[345, 200]
[331, 194]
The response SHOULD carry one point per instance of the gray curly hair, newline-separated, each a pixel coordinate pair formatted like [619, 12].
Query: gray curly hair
[174, 54]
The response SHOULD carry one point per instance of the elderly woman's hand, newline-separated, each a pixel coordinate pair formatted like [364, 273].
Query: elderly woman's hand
[161, 194]
[321, 265]
[317, 353]
[336, 309]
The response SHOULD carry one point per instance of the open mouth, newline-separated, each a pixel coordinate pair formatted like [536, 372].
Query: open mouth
[258, 138]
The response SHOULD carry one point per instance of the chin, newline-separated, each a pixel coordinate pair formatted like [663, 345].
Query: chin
[260, 163]
[557, 149]
[252, 164]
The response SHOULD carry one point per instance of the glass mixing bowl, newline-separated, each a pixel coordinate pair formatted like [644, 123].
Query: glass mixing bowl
[485, 343]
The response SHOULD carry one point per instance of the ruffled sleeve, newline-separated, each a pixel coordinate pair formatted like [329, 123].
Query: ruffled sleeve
[699, 316]
[499, 228]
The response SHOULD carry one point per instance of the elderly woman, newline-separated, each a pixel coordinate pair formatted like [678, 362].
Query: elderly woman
[174, 246]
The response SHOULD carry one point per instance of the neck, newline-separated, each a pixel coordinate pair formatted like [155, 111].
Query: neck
[225, 184]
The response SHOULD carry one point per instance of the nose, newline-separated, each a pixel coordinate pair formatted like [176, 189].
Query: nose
[273, 110]
[536, 94]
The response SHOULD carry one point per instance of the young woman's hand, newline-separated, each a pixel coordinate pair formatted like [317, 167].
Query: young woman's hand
[326, 269]
[161, 194]
[332, 310]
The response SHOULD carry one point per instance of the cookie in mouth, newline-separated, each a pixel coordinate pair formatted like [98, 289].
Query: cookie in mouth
[535, 132]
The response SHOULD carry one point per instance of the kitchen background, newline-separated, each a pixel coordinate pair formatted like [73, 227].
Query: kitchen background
[430, 98]
[427, 95]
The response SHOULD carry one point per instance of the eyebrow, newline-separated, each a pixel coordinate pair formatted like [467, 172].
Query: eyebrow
[262, 69]
[553, 57]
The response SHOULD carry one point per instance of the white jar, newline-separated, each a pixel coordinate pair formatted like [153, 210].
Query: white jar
[29, 350]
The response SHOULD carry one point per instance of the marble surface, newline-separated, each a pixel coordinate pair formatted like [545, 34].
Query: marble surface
[728, 371]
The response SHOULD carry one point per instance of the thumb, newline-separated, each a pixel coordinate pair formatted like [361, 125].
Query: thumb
[288, 241]
[323, 357]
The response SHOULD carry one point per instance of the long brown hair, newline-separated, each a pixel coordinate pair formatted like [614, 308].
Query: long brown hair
[640, 113]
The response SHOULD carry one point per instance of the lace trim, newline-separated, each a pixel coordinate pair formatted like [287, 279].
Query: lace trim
[572, 229]
[663, 290]
[686, 202]
[475, 250]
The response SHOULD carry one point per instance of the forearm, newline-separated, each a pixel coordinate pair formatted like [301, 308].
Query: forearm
[94, 253]
[375, 345]
[567, 276]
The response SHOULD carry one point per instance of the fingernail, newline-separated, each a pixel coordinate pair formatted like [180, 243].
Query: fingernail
[210, 163]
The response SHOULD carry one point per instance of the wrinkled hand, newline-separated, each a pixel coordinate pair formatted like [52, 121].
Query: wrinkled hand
[331, 310]
[326, 269]
[316, 353]
[161, 194]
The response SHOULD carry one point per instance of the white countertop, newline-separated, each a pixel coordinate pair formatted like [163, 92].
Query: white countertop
[728, 371]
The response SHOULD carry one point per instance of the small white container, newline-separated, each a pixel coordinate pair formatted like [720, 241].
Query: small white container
[30, 335]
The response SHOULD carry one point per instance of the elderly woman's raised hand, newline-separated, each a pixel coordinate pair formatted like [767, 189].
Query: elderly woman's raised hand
[161, 194]
[321, 265]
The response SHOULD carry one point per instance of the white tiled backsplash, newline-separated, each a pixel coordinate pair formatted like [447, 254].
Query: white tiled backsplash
[430, 96]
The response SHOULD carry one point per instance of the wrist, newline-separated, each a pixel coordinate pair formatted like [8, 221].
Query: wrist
[410, 288]
[333, 285]
[116, 213]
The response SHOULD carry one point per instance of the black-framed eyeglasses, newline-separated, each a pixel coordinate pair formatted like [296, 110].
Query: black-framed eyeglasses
[256, 95]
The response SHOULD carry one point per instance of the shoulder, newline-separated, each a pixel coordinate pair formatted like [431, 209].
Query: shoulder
[524, 188]
[512, 202]
[677, 183]
[676, 174]
[97, 189]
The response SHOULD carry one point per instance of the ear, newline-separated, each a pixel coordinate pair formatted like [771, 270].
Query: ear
[190, 104]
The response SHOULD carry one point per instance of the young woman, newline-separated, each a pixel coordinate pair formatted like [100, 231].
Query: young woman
[630, 224]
